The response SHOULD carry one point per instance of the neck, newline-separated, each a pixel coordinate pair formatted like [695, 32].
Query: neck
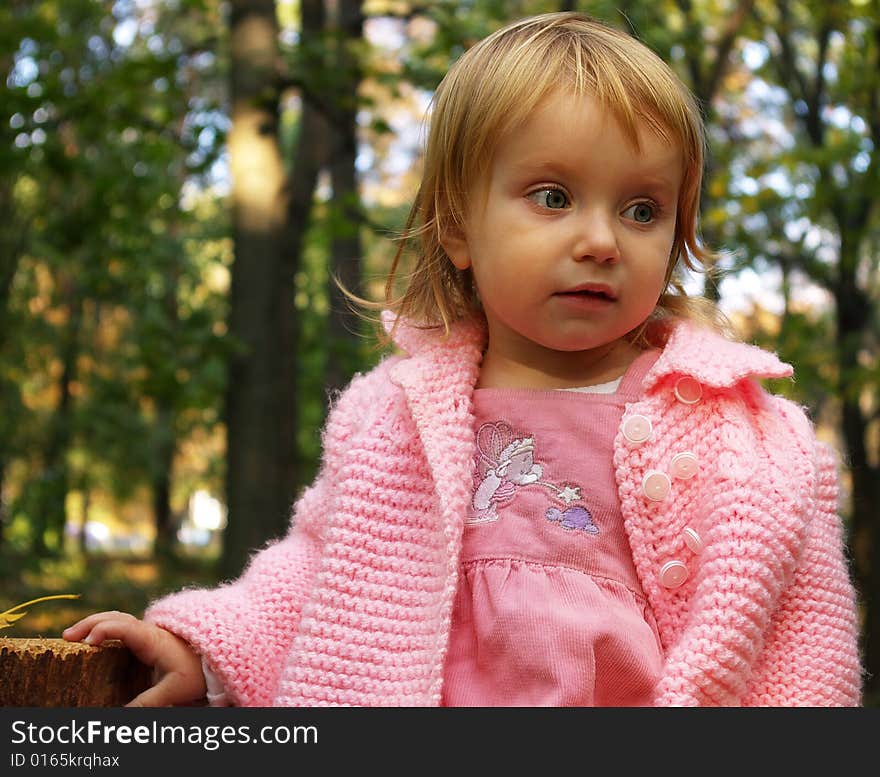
[514, 368]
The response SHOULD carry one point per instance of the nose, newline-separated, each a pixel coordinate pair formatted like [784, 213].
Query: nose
[596, 238]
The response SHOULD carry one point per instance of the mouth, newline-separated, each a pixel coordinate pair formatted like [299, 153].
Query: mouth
[597, 291]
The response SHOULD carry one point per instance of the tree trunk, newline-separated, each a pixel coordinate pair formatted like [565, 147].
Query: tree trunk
[271, 215]
[345, 248]
[12, 243]
[308, 158]
[850, 205]
[256, 492]
[165, 432]
[13, 239]
[84, 519]
[706, 75]
[165, 447]
[49, 512]
[3, 516]
[853, 317]
[58, 673]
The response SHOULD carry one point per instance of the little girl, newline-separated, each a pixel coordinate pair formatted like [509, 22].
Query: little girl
[570, 488]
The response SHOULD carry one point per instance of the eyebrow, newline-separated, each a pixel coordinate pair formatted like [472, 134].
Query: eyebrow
[561, 169]
[659, 181]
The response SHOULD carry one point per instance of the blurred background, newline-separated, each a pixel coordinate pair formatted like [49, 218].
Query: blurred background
[181, 179]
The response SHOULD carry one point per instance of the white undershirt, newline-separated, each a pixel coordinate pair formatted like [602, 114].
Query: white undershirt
[600, 388]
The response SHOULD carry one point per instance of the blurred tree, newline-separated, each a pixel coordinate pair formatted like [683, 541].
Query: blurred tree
[271, 213]
[698, 38]
[809, 193]
[81, 300]
[345, 248]
[256, 489]
[273, 201]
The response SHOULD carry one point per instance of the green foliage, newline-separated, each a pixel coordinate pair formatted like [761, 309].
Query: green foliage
[110, 330]
[114, 584]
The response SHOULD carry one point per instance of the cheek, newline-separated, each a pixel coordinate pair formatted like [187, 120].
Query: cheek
[664, 272]
[661, 268]
[497, 281]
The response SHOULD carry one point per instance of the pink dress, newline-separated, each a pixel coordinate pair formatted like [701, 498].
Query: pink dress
[549, 609]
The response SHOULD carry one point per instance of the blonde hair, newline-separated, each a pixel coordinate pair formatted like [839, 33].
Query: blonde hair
[490, 91]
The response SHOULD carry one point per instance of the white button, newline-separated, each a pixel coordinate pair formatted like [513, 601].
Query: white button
[693, 540]
[656, 485]
[637, 428]
[683, 465]
[673, 574]
[688, 390]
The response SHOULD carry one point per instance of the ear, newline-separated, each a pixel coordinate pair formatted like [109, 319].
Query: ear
[455, 244]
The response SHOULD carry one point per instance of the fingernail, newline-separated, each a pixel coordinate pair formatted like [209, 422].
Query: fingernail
[88, 639]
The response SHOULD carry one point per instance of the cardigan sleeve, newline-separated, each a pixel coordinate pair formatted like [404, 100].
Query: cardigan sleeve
[811, 657]
[244, 629]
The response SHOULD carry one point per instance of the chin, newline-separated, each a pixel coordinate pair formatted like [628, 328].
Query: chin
[574, 344]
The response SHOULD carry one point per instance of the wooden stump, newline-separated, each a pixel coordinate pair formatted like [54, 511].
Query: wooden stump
[58, 673]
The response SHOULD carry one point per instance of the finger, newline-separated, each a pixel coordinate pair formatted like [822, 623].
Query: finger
[167, 692]
[152, 697]
[83, 626]
[136, 635]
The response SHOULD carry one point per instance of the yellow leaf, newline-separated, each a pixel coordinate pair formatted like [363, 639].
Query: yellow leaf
[10, 616]
[6, 619]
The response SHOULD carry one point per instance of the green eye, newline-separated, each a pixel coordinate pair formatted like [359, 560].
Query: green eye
[553, 199]
[642, 212]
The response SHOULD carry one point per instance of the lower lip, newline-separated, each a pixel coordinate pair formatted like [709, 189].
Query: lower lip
[585, 301]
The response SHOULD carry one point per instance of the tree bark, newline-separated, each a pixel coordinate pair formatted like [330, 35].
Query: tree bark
[271, 212]
[853, 321]
[345, 247]
[50, 512]
[308, 158]
[165, 431]
[256, 493]
[58, 673]
[13, 239]
[165, 446]
[849, 205]
[3, 516]
[706, 76]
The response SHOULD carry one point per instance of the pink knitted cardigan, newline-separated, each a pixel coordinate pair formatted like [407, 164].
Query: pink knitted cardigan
[353, 606]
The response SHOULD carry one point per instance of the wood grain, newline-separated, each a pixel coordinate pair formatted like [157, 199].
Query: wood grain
[58, 673]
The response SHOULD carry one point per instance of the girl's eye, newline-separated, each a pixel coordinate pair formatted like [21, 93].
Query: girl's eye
[641, 212]
[554, 199]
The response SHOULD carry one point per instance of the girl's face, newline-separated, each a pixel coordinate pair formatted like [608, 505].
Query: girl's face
[569, 239]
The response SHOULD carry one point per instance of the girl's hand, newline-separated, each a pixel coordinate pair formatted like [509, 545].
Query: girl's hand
[177, 670]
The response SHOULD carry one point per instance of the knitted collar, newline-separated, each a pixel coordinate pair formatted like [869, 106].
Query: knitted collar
[690, 349]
